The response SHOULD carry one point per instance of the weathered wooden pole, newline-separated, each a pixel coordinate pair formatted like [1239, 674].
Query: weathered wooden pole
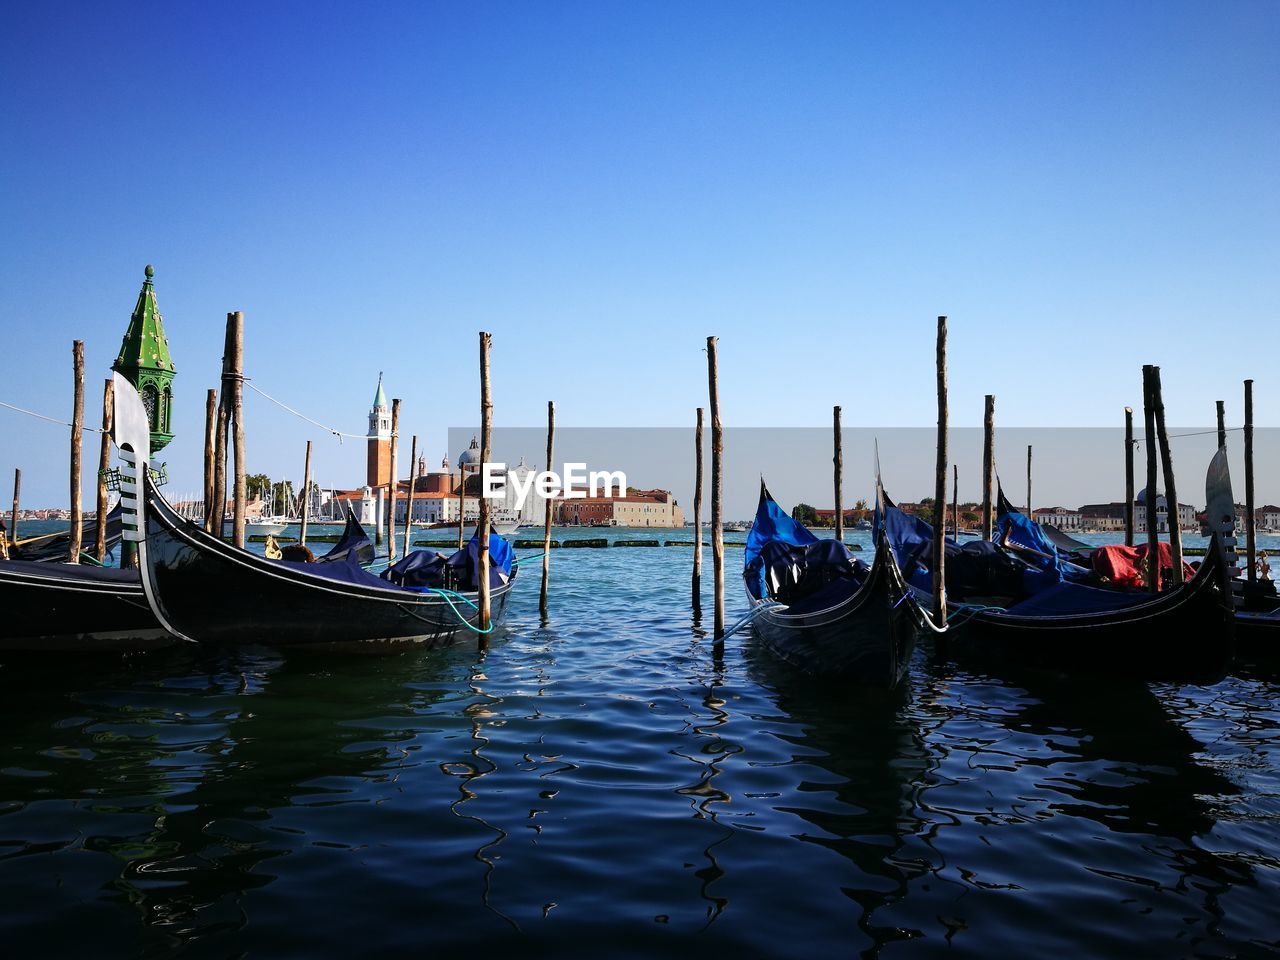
[988, 466]
[1222, 424]
[413, 482]
[940, 487]
[462, 493]
[210, 449]
[104, 464]
[1153, 535]
[222, 440]
[1128, 476]
[1250, 539]
[549, 509]
[77, 446]
[482, 528]
[391, 487]
[306, 496]
[955, 503]
[235, 376]
[697, 516]
[1030, 514]
[838, 461]
[17, 489]
[1170, 488]
[717, 493]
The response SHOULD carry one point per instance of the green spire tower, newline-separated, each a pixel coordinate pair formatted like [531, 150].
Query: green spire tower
[145, 362]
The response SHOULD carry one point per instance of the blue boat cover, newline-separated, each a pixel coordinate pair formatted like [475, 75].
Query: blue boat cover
[346, 570]
[426, 568]
[785, 561]
[772, 524]
[1016, 529]
[1066, 598]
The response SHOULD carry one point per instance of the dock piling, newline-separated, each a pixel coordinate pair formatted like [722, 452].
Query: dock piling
[1128, 476]
[413, 481]
[1222, 424]
[717, 494]
[77, 446]
[955, 503]
[235, 376]
[17, 489]
[838, 461]
[1170, 488]
[697, 516]
[988, 465]
[940, 486]
[1250, 539]
[1153, 535]
[210, 432]
[306, 496]
[1030, 514]
[392, 483]
[482, 528]
[549, 508]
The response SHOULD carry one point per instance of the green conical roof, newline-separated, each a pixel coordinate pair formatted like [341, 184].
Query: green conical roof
[380, 398]
[145, 346]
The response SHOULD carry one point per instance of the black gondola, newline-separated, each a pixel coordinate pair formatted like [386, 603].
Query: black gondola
[66, 607]
[204, 589]
[816, 607]
[54, 547]
[1182, 635]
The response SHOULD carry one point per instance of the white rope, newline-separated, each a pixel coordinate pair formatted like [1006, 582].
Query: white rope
[41, 416]
[337, 433]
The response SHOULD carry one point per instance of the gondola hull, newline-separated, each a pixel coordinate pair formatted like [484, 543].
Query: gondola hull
[60, 607]
[1183, 636]
[211, 592]
[866, 636]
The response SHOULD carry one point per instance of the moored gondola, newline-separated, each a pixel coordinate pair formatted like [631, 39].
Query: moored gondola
[816, 607]
[66, 607]
[201, 588]
[1026, 608]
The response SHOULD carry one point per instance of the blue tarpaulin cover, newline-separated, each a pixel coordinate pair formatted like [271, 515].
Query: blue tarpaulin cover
[771, 524]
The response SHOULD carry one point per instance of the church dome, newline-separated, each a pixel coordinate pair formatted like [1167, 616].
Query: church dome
[1141, 499]
[471, 456]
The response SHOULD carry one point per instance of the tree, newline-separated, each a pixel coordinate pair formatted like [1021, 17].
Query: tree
[861, 504]
[256, 486]
[804, 513]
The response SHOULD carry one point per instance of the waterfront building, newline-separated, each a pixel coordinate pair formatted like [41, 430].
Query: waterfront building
[1063, 518]
[636, 508]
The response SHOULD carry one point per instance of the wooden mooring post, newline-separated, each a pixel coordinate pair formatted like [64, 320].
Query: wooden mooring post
[988, 466]
[482, 528]
[104, 464]
[955, 503]
[391, 485]
[1222, 424]
[1170, 487]
[1030, 514]
[837, 460]
[697, 516]
[210, 448]
[222, 439]
[235, 376]
[306, 496]
[413, 482]
[548, 511]
[1250, 535]
[1128, 476]
[717, 494]
[1149, 505]
[940, 487]
[13, 525]
[77, 448]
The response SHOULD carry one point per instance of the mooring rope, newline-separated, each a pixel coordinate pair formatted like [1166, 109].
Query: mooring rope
[41, 416]
[752, 614]
[284, 406]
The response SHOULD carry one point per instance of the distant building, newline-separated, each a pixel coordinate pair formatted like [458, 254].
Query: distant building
[1104, 517]
[378, 473]
[637, 508]
[1060, 517]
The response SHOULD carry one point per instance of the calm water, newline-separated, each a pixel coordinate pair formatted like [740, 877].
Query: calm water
[602, 784]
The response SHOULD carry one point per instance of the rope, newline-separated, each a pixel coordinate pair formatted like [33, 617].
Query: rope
[337, 433]
[41, 416]
[1195, 433]
[461, 619]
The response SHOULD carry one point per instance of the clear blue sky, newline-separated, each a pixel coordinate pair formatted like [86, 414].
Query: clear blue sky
[1082, 187]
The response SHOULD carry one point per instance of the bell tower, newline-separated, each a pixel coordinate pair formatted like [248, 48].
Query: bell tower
[145, 362]
[379, 472]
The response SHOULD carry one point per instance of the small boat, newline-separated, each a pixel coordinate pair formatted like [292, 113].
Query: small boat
[207, 590]
[815, 606]
[1065, 621]
[73, 607]
[53, 547]
[505, 524]
[266, 526]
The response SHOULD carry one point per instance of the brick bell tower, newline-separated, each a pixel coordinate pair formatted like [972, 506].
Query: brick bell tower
[379, 440]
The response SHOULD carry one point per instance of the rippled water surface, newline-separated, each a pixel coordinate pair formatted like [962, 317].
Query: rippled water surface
[602, 783]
